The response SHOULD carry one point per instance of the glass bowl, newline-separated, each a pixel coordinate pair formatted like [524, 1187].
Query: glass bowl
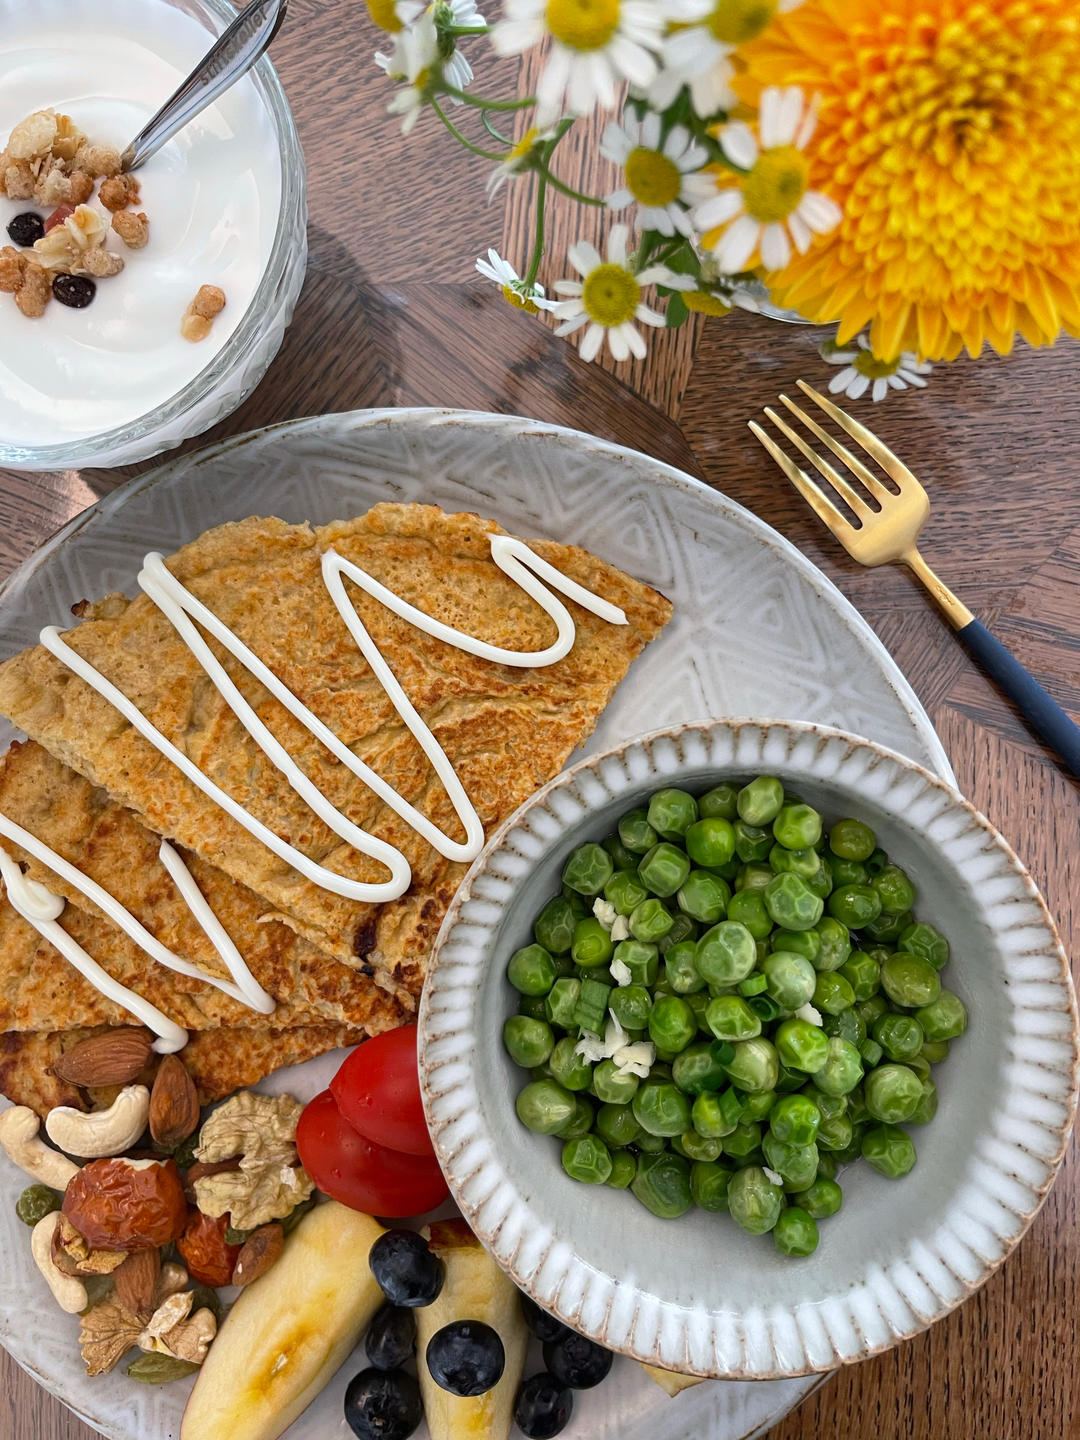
[235, 370]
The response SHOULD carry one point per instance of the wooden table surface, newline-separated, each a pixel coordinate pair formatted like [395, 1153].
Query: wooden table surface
[392, 314]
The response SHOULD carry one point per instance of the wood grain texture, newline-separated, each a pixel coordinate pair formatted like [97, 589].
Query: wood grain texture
[393, 314]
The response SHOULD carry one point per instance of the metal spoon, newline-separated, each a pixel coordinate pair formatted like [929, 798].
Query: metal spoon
[223, 64]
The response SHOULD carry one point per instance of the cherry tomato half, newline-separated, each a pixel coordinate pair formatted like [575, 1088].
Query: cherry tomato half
[378, 1092]
[365, 1176]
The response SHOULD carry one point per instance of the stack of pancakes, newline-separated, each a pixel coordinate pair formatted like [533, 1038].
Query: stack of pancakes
[91, 788]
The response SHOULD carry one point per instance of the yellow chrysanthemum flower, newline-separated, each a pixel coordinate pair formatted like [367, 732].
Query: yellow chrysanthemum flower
[949, 132]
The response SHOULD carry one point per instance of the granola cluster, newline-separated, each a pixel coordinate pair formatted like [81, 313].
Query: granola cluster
[199, 316]
[50, 162]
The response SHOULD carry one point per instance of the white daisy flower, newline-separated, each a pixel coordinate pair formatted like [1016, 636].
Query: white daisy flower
[518, 159]
[660, 178]
[514, 289]
[608, 300]
[767, 210]
[864, 371]
[412, 62]
[699, 55]
[596, 44]
[456, 69]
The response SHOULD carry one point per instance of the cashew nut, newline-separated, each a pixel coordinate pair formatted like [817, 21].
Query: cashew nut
[19, 1128]
[68, 1292]
[101, 1132]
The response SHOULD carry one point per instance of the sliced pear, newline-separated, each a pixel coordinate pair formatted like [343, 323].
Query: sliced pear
[475, 1289]
[289, 1331]
[668, 1380]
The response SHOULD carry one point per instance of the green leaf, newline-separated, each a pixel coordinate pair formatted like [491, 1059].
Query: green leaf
[676, 311]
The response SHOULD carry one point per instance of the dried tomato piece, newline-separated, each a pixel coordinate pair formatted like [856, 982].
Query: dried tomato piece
[58, 216]
[127, 1205]
[208, 1258]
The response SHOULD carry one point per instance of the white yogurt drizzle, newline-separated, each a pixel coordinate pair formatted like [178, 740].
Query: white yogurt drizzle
[40, 908]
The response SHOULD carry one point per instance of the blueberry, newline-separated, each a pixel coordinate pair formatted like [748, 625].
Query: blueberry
[383, 1405]
[391, 1337]
[466, 1357]
[25, 229]
[406, 1270]
[544, 1326]
[74, 290]
[543, 1407]
[577, 1361]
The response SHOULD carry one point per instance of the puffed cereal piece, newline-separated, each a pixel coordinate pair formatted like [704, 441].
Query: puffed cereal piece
[35, 291]
[33, 136]
[82, 187]
[53, 186]
[133, 229]
[118, 192]
[12, 265]
[210, 301]
[17, 180]
[67, 139]
[98, 160]
[195, 327]
[99, 263]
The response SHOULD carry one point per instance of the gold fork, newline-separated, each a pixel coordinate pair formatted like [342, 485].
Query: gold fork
[886, 528]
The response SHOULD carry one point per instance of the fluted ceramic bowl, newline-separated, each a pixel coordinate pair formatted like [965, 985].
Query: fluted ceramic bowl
[698, 1294]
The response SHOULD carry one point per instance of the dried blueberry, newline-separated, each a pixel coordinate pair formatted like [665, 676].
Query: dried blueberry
[383, 1405]
[27, 228]
[74, 290]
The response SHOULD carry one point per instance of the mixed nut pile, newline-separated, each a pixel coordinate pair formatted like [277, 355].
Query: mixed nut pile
[168, 1207]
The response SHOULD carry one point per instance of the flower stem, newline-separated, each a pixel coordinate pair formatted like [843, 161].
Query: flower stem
[464, 140]
[458, 30]
[483, 104]
[571, 192]
[538, 243]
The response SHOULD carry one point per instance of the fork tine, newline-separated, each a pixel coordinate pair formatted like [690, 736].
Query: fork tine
[842, 453]
[839, 484]
[890, 463]
[809, 489]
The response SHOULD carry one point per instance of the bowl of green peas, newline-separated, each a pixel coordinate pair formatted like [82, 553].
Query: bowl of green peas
[748, 1048]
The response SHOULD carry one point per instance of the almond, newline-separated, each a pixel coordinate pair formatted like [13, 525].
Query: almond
[136, 1282]
[174, 1103]
[260, 1251]
[114, 1057]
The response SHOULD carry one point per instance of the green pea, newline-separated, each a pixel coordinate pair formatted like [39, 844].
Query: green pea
[712, 1118]
[894, 889]
[726, 954]
[625, 891]
[682, 928]
[671, 813]
[664, 869]
[854, 906]
[680, 964]
[650, 1144]
[920, 1065]
[877, 861]
[943, 1018]
[636, 833]
[804, 863]
[748, 909]
[622, 858]
[623, 1170]
[721, 800]
[822, 1199]
[672, 1024]
[752, 843]
[35, 1202]
[934, 1051]
[846, 872]
[849, 1155]
[662, 1184]
[729, 1017]
[794, 1120]
[795, 1232]
[554, 927]
[754, 1201]
[835, 944]
[697, 1069]
[799, 942]
[900, 1036]
[709, 1186]
[693, 1146]
[579, 906]
[641, 959]
[926, 1109]
[801, 1046]
[797, 1164]
[587, 1159]
[923, 940]
[660, 1108]
[759, 802]
[791, 903]
[820, 884]
[544, 1106]
[649, 921]
[534, 1007]
[759, 1106]
[616, 1126]
[852, 840]
[612, 1088]
[790, 978]
[581, 1122]
[872, 1009]
[857, 1112]
[755, 1065]
[744, 1140]
[570, 1070]
[887, 927]
[846, 1024]
[827, 1168]
[832, 992]
[797, 827]
[863, 974]
[753, 877]
[827, 1106]
[704, 897]
[588, 869]
[531, 970]
[911, 981]
[836, 1133]
[562, 1001]
[842, 1069]
[592, 945]
[892, 1093]
[528, 1042]
[710, 842]
[889, 1150]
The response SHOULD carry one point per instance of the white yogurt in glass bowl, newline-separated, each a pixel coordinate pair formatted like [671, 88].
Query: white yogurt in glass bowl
[116, 382]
